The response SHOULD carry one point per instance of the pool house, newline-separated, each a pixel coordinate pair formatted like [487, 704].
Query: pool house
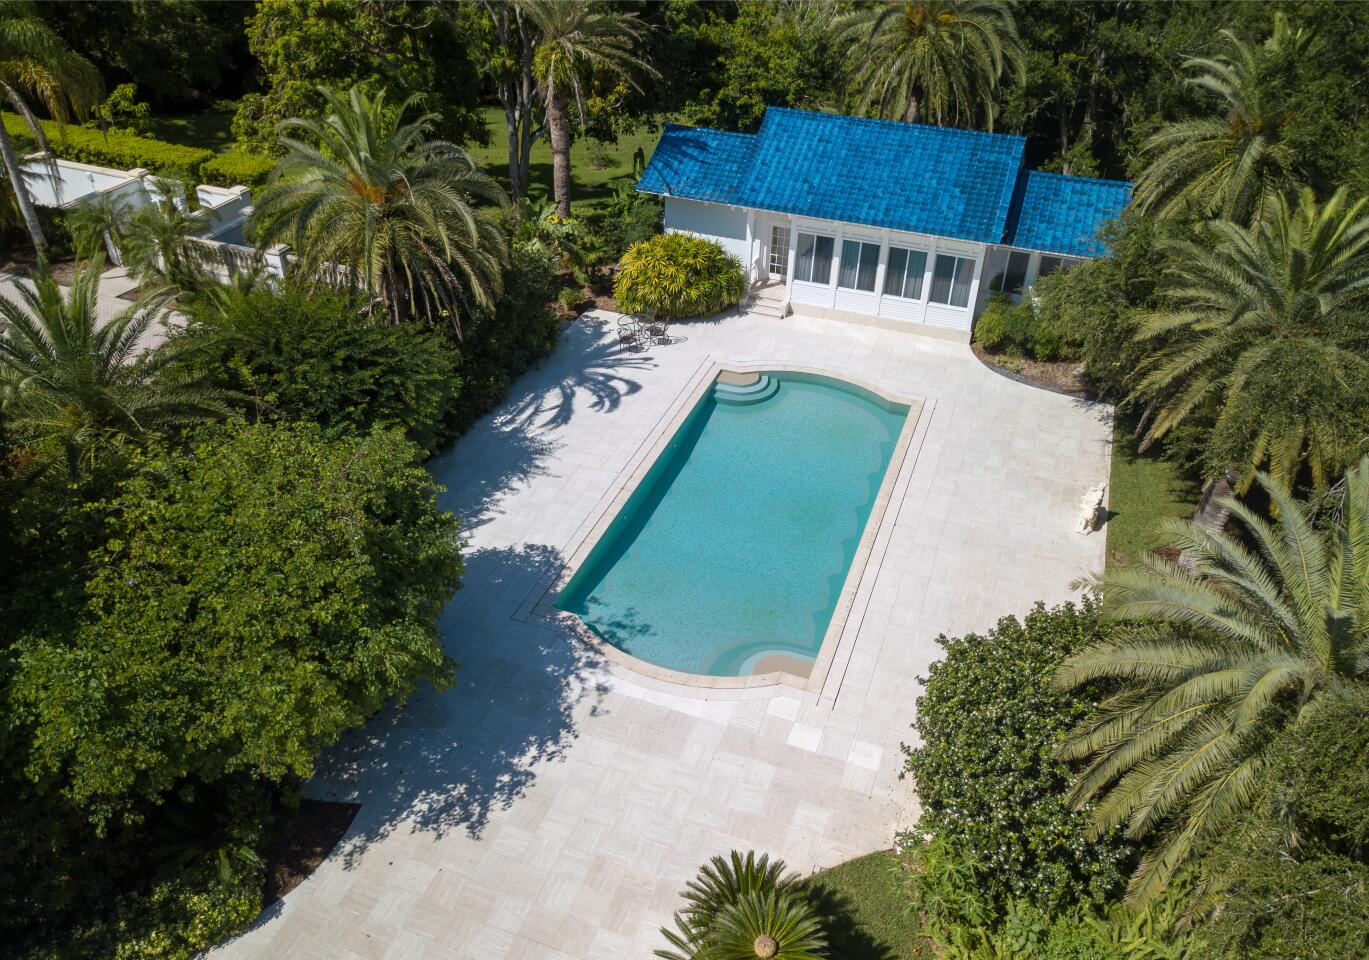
[895, 224]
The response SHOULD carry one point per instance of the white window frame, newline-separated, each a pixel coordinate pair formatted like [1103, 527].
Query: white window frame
[833, 261]
[955, 272]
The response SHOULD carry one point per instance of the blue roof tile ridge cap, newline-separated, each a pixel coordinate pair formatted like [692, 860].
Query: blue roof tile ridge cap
[894, 124]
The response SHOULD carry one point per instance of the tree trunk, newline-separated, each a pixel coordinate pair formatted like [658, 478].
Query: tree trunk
[558, 125]
[910, 114]
[1065, 140]
[517, 94]
[21, 193]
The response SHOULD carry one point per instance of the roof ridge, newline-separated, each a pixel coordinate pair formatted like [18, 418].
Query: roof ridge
[895, 124]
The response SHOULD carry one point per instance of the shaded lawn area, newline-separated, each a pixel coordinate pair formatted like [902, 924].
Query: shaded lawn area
[210, 129]
[1144, 490]
[869, 919]
[590, 185]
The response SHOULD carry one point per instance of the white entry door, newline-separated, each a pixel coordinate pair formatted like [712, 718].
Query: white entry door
[777, 260]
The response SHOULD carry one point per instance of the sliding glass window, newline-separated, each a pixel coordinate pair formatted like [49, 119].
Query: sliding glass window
[815, 258]
[903, 275]
[859, 261]
[951, 279]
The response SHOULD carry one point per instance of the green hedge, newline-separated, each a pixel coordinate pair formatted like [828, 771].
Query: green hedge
[238, 169]
[124, 151]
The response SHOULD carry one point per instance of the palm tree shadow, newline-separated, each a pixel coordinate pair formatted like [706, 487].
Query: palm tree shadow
[449, 760]
[589, 365]
[845, 938]
[507, 449]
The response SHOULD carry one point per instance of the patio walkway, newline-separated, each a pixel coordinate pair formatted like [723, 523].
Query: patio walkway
[552, 805]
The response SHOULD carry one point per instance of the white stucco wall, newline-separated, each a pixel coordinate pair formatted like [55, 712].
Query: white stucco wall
[726, 225]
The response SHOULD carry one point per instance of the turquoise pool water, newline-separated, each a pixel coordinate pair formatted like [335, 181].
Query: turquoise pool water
[736, 544]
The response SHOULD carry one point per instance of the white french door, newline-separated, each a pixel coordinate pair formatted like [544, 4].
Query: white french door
[777, 260]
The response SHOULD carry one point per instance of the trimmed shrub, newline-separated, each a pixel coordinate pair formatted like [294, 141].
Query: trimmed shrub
[679, 276]
[991, 787]
[236, 168]
[1023, 329]
[123, 151]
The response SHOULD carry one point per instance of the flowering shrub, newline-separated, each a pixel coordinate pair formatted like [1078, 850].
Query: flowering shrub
[678, 276]
[990, 785]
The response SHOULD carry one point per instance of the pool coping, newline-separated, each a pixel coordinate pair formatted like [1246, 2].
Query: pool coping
[822, 664]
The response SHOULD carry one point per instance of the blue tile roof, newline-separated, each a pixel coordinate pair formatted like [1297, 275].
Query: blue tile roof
[1059, 214]
[940, 181]
[697, 163]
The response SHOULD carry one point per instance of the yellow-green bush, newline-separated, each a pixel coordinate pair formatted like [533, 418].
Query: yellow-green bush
[678, 276]
[236, 168]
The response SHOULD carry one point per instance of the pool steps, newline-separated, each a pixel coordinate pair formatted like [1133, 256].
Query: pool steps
[740, 395]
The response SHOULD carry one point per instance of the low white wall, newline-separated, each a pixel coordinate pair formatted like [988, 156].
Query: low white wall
[74, 181]
[726, 225]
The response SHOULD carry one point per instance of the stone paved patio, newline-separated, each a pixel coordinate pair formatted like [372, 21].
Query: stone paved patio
[552, 805]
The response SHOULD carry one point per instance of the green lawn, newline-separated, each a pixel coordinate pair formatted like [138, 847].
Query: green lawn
[1145, 489]
[590, 184]
[871, 917]
[211, 129]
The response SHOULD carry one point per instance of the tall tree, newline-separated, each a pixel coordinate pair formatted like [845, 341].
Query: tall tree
[406, 48]
[937, 60]
[35, 62]
[512, 68]
[1263, 329]
[576, 38]
[367, 189]
[1210, 664]
[73, 388]
[1234, 161]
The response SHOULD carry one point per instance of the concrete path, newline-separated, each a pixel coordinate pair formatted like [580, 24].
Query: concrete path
[552, 805]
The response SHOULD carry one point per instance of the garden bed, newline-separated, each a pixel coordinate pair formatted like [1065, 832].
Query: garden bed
[302, 842]
[1058, 376]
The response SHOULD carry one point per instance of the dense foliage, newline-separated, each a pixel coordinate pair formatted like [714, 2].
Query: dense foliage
[407, 48]
[678, 276]
[1210, 662]
[989, 782]
[313, 356]
[1293, 877]
[251, 600]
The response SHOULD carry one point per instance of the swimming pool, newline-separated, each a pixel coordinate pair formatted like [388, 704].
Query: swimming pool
[731, 554]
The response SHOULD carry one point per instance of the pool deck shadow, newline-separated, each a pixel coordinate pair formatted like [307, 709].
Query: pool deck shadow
[512, 710]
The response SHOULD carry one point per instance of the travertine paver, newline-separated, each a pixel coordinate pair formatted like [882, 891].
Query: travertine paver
[552, 805]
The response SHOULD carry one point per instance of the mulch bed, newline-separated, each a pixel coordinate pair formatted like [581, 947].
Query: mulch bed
[1058, 376]
[22, 262]
[302, 842]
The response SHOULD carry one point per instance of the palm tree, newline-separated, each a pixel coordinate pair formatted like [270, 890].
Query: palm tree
[939, 60]
[1210, 664]
[744, 909]
[367, 190]
[159, 246]
[574, 39]
[1264, 327]
[1233, 163]
[35, 62]
[72, 389]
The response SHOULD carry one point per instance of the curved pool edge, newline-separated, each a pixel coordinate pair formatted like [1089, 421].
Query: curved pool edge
[665, 430]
